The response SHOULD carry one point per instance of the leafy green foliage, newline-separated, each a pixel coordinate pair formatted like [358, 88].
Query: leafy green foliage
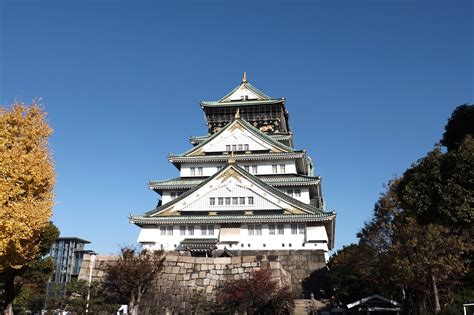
[440, 187]
[75, 299]
[460, 124]
[30, 280]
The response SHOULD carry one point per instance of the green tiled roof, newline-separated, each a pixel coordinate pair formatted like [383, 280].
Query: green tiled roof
[248, 86]
[301, 205]
[242, 103]
[323, 216]
[273, 180]
[251, 129]
[238, 157]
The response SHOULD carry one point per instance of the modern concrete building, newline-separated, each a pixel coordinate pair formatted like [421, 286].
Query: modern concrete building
[68, 253]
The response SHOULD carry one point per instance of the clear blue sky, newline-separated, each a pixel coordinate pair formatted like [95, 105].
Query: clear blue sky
[369, 86]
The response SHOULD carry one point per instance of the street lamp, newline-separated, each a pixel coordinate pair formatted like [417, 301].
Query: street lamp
[91, 267]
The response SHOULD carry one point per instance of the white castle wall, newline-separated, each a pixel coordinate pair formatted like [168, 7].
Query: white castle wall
[263, 168]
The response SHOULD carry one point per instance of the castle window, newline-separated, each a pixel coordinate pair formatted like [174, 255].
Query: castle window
[281, 229]
[169, 230]
[254, 229]
[271, 229]
[282, 168]
[240, 147]
[199, 170]
[289, 192]
[227, 201]
[242, 200]
[301, 228]
[250, 200]
[246, 147]
[220, 201]
[182, 229]
[210, 229]
[190, 229]
[297, 192]
[274, 169]
[234, 147]
[212, 201]
[227, 147]
[254, 169]
[235, 200]
[193, 171]
[203, 229]
[250, 229]
[294, 229]
[162, 230]
[247, 168]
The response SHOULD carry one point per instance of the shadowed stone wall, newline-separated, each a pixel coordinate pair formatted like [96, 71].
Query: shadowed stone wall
[182, 275]
[298, 263]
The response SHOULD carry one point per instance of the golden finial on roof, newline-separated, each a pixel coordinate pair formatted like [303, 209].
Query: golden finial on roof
[244, 77]
[231, 158]
[237, 113]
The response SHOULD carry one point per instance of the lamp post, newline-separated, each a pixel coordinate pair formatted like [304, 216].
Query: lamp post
[91, 267]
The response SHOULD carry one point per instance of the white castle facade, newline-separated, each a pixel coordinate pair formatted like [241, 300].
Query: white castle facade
[242, 187]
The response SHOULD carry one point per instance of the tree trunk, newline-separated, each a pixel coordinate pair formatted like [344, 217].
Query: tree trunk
[134, 309]
[9, 294]
[437, 307]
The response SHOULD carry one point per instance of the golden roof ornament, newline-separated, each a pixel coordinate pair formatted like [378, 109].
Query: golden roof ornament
[237, 113]
[244, 77]
[231, 158]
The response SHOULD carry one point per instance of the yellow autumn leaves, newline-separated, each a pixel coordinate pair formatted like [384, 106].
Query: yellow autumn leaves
[26, 182]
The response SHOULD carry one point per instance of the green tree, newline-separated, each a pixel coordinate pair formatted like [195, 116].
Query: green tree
[75, 300]
[460, 124]
[439, 188]
[26, 184]
[131, 276]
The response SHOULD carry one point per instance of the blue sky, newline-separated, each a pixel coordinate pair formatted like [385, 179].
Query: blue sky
[369, 86]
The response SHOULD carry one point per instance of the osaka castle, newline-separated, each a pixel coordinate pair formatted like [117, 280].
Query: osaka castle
[242, 187]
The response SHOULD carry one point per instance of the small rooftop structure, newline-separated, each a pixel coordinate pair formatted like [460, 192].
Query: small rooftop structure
[373, 303]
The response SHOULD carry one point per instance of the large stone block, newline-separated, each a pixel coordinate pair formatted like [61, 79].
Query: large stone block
[223, 260]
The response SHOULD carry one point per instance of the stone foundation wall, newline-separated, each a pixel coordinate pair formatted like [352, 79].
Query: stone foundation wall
[298, 263]
[182, 275]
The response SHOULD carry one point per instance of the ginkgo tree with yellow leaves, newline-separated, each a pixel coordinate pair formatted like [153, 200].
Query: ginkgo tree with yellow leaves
[26, 189]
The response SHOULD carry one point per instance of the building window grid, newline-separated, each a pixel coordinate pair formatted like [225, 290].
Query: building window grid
[228, 201]
[297, 229]
[254, 169]
[274, 169]
[281, 229]
[282, 168]
[200, 171]
[271, 229]
[193, 171]
[254, 229]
